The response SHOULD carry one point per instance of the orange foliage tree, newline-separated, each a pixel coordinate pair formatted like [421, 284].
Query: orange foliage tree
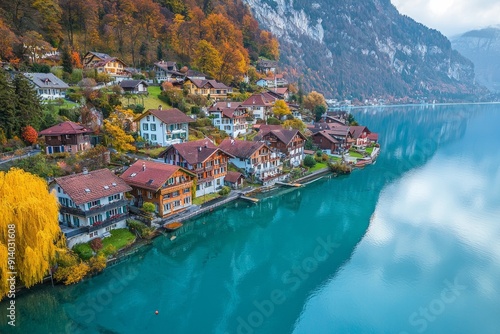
[29, 135]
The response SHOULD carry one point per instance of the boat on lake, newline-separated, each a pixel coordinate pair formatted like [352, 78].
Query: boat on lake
[170, 227]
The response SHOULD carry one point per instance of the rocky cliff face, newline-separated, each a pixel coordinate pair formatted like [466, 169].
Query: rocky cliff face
[358, 49]
[483, 48]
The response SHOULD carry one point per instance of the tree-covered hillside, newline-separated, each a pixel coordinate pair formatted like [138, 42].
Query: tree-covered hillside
[139, 32]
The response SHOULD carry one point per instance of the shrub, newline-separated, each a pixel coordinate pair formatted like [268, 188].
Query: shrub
[309, 161]
[136, 226]
[224, 191]
[319, 153]
[72, 274]
[96, 244]
[97, 264]
[109, 250]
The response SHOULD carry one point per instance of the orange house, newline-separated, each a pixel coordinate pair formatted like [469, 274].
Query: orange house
[168, 187]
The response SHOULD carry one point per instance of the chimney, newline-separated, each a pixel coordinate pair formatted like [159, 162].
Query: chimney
[85, 171]
[199, 149]
[232, 141]
[160, 107]
[143, 166]
[229, 104]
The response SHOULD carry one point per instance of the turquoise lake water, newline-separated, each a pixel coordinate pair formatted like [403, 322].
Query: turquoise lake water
[408, 245]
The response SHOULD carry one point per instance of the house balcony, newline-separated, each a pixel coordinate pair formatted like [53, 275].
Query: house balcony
[108, 222]
[94, 210]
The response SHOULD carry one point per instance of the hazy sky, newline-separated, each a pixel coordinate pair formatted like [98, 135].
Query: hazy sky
[452, 17]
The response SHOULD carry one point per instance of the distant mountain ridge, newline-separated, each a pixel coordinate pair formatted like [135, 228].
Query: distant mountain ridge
[357, 49]
[483, 48]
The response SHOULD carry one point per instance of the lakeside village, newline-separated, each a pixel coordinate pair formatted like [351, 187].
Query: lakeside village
[129, 176]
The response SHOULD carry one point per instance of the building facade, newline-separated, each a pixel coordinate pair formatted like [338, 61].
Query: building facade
[66, 137]
[91, 204]
[229, 117]
[168, 187]
[202, 158]
[47, 85]
[256, 159]
[164, 127]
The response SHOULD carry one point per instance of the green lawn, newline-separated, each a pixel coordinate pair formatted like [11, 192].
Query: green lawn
[119, 238]
[150, 102]
[202, 199]
[369, 150]
[355, 154]
[318, 166]
[151, 152]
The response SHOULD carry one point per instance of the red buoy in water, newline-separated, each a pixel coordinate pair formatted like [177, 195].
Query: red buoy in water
[156, 312]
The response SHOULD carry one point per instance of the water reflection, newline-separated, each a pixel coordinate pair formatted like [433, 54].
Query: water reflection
[433, 228]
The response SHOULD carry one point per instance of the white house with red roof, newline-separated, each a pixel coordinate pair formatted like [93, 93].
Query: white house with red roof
[66, 137]
[259, 105]
[164, 127]
[91, 204]
[229, 117]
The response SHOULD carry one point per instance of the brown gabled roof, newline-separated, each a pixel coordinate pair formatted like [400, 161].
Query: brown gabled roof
[240, 148]
[195, 152]
[149, 174]
[284, 135]
[91, 186]
[327, 135]
[357, 131]
[65, 128]
[233, 177]
[203, 83]
[167, 116]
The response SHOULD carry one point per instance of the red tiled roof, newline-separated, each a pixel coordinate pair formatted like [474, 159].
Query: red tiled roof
[167, 116]
[373, 136]
[84, 188]
[149, 174]
[65, 128]
[240, 148]
[195, 151]
[232, 177]
[256, 100]
[228, 108]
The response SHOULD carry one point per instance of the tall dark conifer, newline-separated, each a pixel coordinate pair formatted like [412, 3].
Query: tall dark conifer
[28, 107]
[8, 121]
[67, 62]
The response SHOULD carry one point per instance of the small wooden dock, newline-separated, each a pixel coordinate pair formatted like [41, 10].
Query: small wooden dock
[251, 199]
[296, 185]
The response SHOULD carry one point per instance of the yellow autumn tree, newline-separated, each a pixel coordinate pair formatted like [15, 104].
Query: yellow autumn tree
[281, 109]
[30, 235]
[314, 99]
[294, 124]
[117, 137]
[207, 59]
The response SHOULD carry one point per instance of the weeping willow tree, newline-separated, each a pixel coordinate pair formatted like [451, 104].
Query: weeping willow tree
[29, 217]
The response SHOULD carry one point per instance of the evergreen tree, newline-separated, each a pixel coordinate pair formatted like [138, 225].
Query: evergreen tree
[67, 61]
[28, 107]
[8, 120]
